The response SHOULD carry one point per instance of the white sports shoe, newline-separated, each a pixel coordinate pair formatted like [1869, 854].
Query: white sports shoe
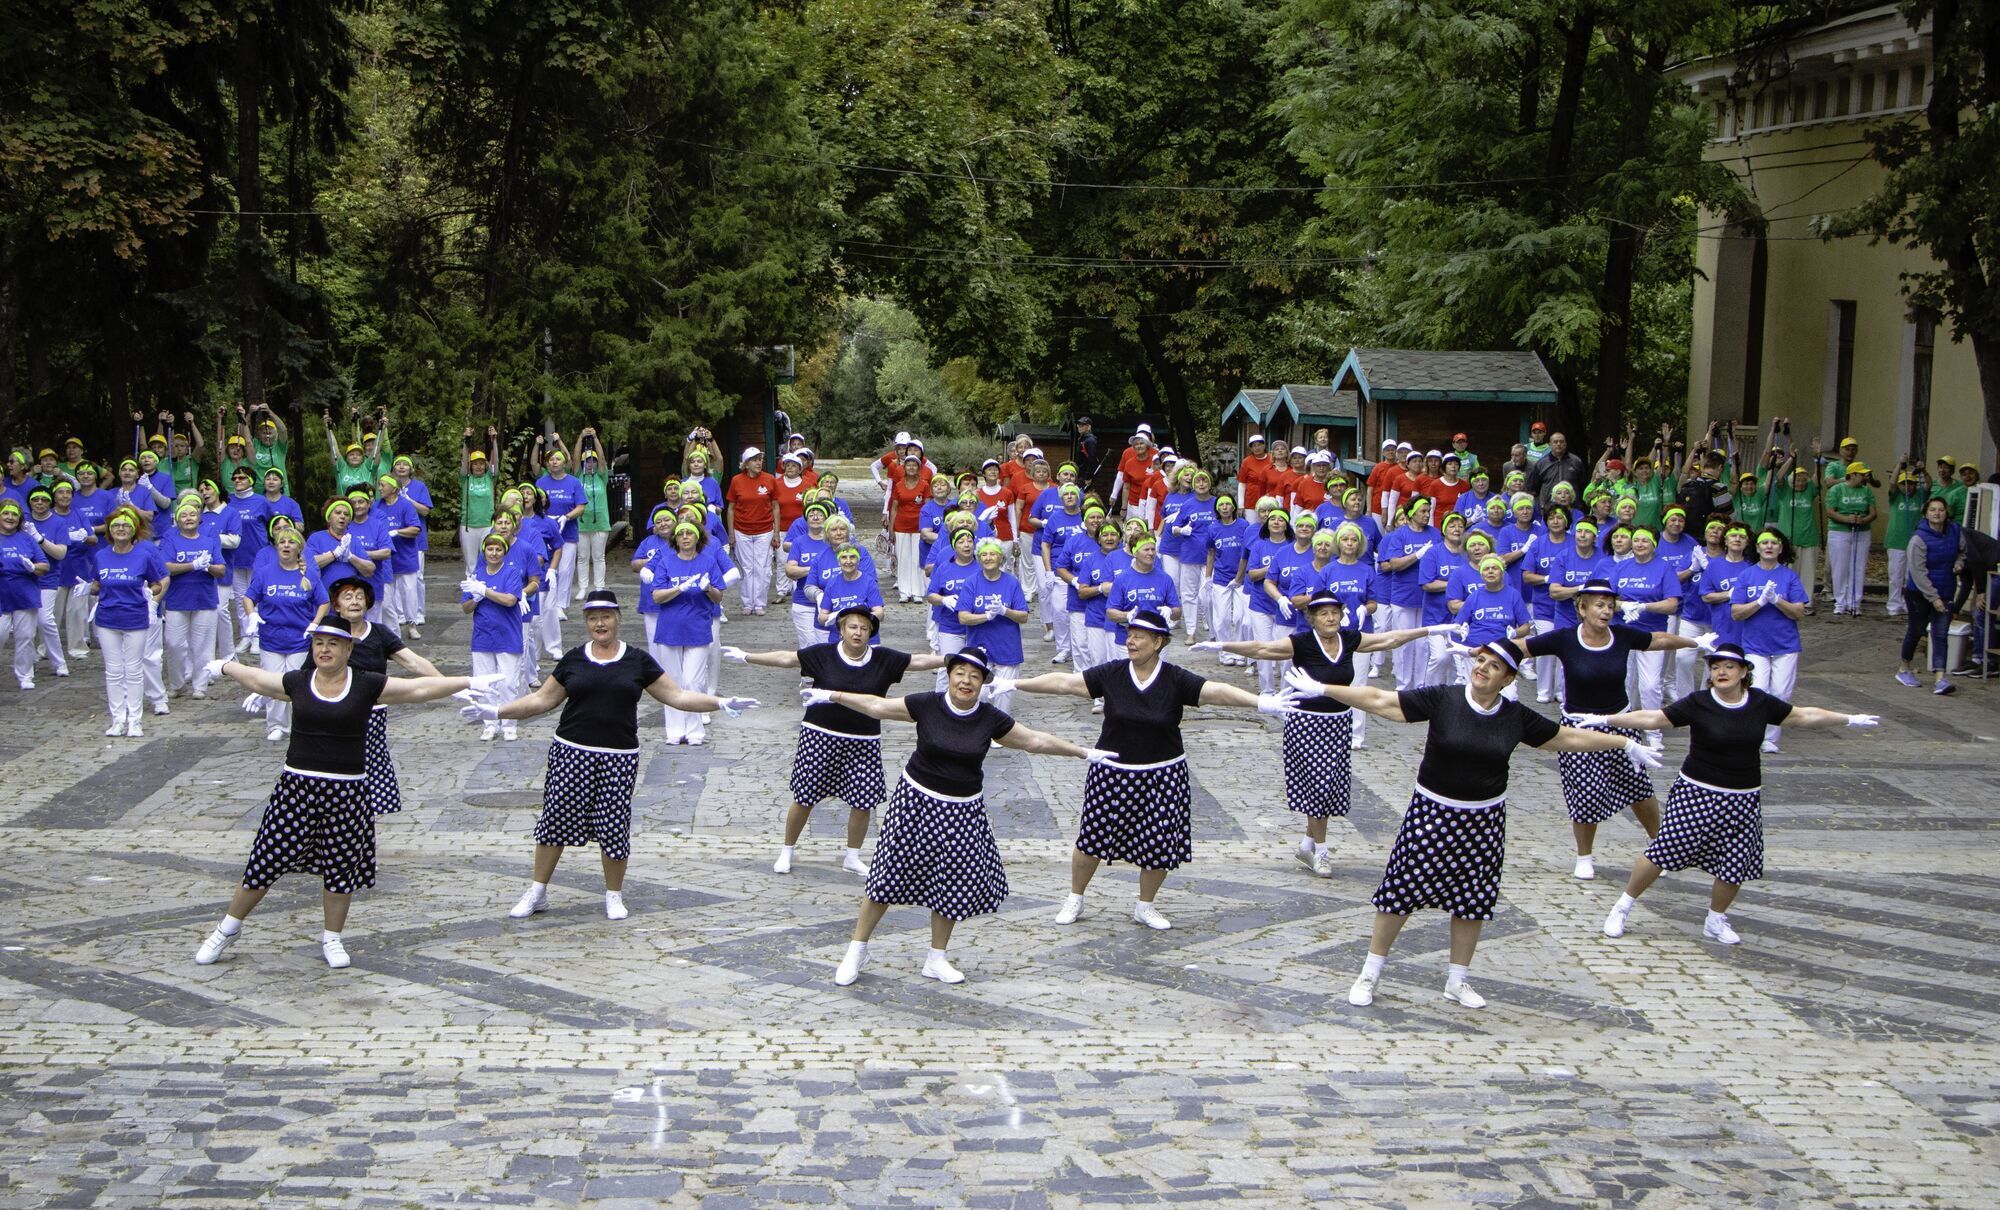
[528, 904]
[853, 864]
[133, 729]
[336, 953]
[1717, 929]
[1323, 863]
[1769, 745]
[1148, 915]
[212, 948]
[1586, 868]
[783, 865]
[942, 970]
[489, 731]
[1614, 924]
[507, 729]
[117, 727]
[614, 906]
[274, 734]
[1072, 908]
[850, 966]
[1463, 993]
[1362, 994]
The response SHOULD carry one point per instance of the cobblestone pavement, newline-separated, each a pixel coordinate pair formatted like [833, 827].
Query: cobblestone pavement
[1843, 1055]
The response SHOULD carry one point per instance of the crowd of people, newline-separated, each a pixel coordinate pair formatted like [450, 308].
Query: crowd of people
[1643, 593]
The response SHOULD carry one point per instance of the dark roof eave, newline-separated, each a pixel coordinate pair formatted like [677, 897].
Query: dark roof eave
[1387, 395]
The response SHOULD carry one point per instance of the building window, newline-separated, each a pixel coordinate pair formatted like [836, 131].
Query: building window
[1843, 369]
[1920, 388]
[1819, 101]
[1867, 93]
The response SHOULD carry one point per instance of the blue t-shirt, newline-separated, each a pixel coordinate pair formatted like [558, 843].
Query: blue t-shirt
[1440, 562]
[1768, 631]
[684, 620]
[1512, 538]
[564, 494]
[20, 584]
[1226, 541]
[79, 562]
[1722, 575]
[191, 591]
[953, 578]
[1354, 584]
[285, 602]
[648, 553]
[1646, 583]
[1402, 588]
[1059, 525]
[1069, 557]
[253, 521]
[340, 568]
[1679, 555]
[1002, 636]
[496, 628]
[1293, 573]
[395, 515]
[1098, 568]
[1261, 555]
[417, 493]
[837, 592]
[53, 529]
[1572, 570]
[371, 538]
[123, 596]
[1539, 561]
[812, 554]
[1132, 589]
[92, 509]
[1491, 615]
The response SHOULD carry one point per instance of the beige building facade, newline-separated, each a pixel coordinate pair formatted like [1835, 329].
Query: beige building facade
[1787, 324]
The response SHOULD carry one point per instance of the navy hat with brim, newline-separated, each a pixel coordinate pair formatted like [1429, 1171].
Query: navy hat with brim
[975, 656]
[332, 627]
[1597, 585]
[601, 598]
[1324, 598]
[874, 623]
[1505, 652]
[1150, 620]
[1726, 651]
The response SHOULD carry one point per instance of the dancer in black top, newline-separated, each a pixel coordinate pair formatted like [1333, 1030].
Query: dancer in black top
[1449, 849]
[374, 647]
[1319, 732]
[594, 758]
[936, 847]
[1598, 785]
[1714, 819]
[1137, 802]
[839, 753]
[319, 819]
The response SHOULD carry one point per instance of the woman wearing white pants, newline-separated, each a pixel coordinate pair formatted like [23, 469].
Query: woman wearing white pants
[284, 597]
[194, 565]
[49, 540]
[127, 578]
[1767, 603]
[22, 564]
[491, 593]
[686, 582]
[1850, 514]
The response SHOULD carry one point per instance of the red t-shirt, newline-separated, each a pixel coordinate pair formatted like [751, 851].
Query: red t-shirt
[907, 504]
[1308, 493]
[892, 464]
[1253, 474]
[1447, 494]
[750, 498]
[791, 502]
[1134, 466]
[1380, 480]
[1003, 521]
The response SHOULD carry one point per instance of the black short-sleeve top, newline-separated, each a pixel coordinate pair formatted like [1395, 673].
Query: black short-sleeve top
[1142, 723]
[873, 675]
[1467, 749]
[602, 709]
[1327, 667]
[1723, 741]
[328, 735]
[1593, 677]
[373, 651]
[951, 747]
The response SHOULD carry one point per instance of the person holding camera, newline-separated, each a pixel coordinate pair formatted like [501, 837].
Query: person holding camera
[1908, 491]
[1850, 519]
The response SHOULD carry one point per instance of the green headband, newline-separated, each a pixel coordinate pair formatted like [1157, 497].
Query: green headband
[341, 504]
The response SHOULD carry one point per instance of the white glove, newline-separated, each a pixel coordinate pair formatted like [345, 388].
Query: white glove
[950, 600]
[1421, 550]
[345, 544]
[472, 587]
[736, 655]
[26, 562]
[990, 512]
[1529, 544]
[733, 707]
[79, 534]
[477, 706]
[1705, 643]
[1285, 609]
[1769, 593]
[199, 560]
[1184, 530]
[1630, 610]
[1098, 756]
[1700, 560]
[1642, 757]
[524, 606]
[28, 528]
[1206, 645]
[645, 575]
[1863, 720]
[995, 614]
[1300, 680]
[250, 625]
[488, 684]
[998, 685]
[1455, 630]
[1282, 702]
[213, 669]
[1586, 720]
[816, 697]
[253, 703]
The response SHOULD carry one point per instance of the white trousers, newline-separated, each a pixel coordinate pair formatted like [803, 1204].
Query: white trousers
[468, 543]
[1777, 675]
[1052, 602]
[124, 653]
[1689, 669]
[1899, 565]
[1410, 659]
[1004, 701]
[20, 625]
[689, 668]
[224, 642]
[507, 664]
[417, 608]
[565, 577]
[1225, 620]
[1192, 585]
[589, 574]
[546, 628]
[1648, 670]
[240, 581]
[1025, 555]
[1266, 628]
[753, 559]
[76, 610]
[1103, 645]
[1548, 670]
[910, 565]
[1805, 561]
[49, 630]
[1079, 641]
[406, 600]
[276, 713]
[190, 638]
[1847, 567]
[155, 660]
[947, 645]
[805, 626]
[1440, 666]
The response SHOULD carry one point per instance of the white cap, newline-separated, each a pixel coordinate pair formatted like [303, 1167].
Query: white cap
[1389, 443]
[1255, 438]
[1144, 428]
[1404, 445]
[902, 438]
[1034, 451]
[1432, 454]
[749, 453]
[1321, 456]
[792, 457]
[915, 442]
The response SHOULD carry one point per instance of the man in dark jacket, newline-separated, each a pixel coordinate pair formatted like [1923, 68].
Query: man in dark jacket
[1560, 466]
[1087, 457]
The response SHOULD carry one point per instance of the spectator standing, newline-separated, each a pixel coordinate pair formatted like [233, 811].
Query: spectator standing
[1907, 494]
[1850, 516]
[1558, 465]
[1088, 455]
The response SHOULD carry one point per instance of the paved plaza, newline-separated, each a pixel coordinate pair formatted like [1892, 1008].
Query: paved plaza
[1844, 1055]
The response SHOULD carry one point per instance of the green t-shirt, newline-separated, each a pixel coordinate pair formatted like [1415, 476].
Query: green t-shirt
[1752, 505]
[476, 502]
[229, 466]
[1905, 510]
[596, 518]
[346, 478]
[1654, 495]
[272, 456]
[1792, 512]
[184, 471]
[1953, 495]
[1836, 471]
[1845, 498]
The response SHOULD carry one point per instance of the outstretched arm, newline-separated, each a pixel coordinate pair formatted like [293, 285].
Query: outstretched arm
[888, 709]
[668, 692]
[1387, 640]
[1065, 683]
[1382, 703]
[256, 680]
[763, 659]
[541, 701]
[411, 690]
[1027, 739]
[1640, 720]
[1575, 739]
[1814, 716]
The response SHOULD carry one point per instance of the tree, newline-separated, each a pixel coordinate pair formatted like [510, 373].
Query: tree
[1941, 193]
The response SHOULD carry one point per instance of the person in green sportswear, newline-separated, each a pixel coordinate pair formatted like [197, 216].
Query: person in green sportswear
[1751, 502]
[1795, 514]
[1954, 483]
[476, 489]
[349, 469]
[375, 452]
[1907, 494]
[1836, 467]
[1654, 492]
[235, 447]
[184, 449]
[1850, 516]
[270, 440]
[594, 526]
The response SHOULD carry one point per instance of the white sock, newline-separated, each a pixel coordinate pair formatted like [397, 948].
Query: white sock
[937, 955]
[541, 889]
[855, 948]
[1322, 847]
[1715, 917]
[328, 936]
[1624, 904]
[230, 926]
[1371, 967]
[1306, 845]
[854, 853]
[614, 894]
[1454, 974]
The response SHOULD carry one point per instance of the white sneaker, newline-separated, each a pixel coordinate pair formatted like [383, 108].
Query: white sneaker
[133, 729]
[783, 865]
[200, 695]
[212, 948]
[1463, 993]
[850, 966]
[274, 734]
[853, 864]
[1769, 745]
[1717, 929]
[1148, 915]
[1586, 868]
[507, 729]
[614, 906]
[116, 728]
[159, 707]
[1060, 657]
[1071, 908]
[1614, 924]
[336, 953]
[29, 683]
[1323, 863]
[489, 731]
[942, 970]
[534, 900]
[1362, 994]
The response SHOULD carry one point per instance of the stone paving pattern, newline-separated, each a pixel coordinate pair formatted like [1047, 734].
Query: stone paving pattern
[1842, 1056]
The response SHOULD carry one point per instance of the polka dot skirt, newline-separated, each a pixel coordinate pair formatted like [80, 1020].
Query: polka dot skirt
[1598, 785]
[1319, 758]
[938, 853]
[587, 797]
[315, 825]
[1720, 831]
[383, 792]
[1445, 858]
[1140, 816]
[847, 767]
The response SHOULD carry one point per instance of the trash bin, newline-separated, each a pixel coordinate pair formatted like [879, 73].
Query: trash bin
[1958, 642]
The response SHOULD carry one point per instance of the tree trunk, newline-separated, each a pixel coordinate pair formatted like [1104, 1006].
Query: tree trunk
[1173, 384]
[1578, 38]
[10, 332]
[1621, 259]
[249, 222]
[1949, 98]
[501, 230]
